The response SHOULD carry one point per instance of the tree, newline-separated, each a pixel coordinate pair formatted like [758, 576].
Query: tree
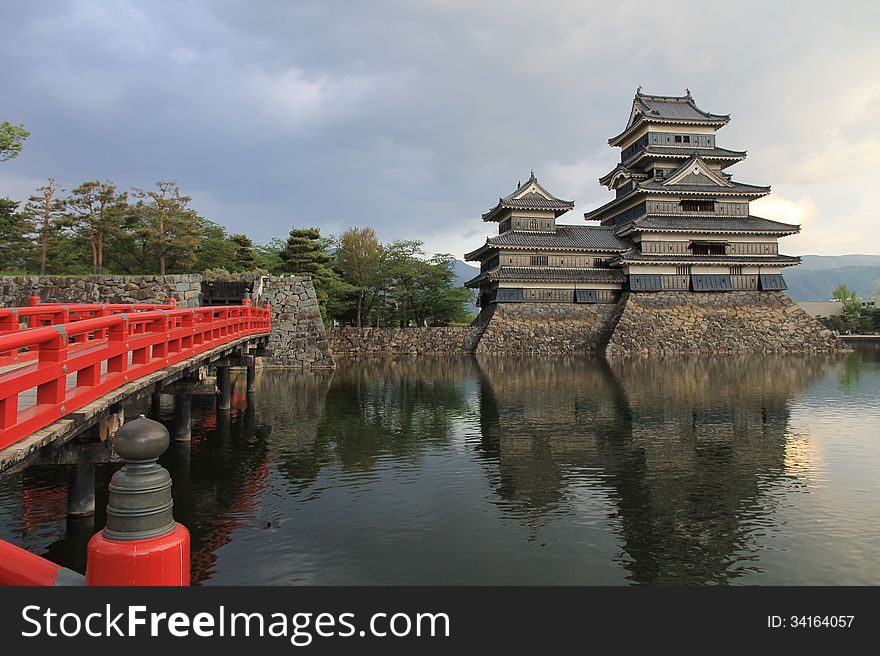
[419, 290]
[851, 307]
[359, 259]
[46, 209]
[243, 255]
[15, 237]
[11, 140]
[170, 226]
[268, 256]
[96, 212]
[306, 252]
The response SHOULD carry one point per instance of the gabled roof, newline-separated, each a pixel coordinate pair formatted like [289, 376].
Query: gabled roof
[610, 178]
[695, 171]
[564, 238]
[667, 109]
[529, 196]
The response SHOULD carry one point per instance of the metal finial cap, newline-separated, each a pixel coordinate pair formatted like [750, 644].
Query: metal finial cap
[140, 504]
[141, 440]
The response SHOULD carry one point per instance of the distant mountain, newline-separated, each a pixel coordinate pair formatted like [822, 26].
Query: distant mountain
[819, 275]
[464, 272]
[814, 280]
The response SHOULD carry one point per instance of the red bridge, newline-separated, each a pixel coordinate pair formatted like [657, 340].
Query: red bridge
[65, 369]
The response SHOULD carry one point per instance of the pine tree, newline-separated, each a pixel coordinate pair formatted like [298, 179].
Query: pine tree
[46, 210]
[243, 256]
[307, 253]
[15, 237]
[170, 226]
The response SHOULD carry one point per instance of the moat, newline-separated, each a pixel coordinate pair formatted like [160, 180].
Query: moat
[494, 470]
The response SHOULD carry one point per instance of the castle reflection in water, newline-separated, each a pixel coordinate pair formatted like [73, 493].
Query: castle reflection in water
[657, 472]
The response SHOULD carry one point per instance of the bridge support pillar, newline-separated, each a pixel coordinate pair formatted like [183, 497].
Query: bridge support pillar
[251, 378]
[224, 388]
[80, 490]
[182, 417]
[155, 404]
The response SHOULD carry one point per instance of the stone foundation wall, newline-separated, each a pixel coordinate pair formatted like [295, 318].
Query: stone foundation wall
[547, 328]
[403, 341]
[298, 337]
[658, 323]
[16, 290]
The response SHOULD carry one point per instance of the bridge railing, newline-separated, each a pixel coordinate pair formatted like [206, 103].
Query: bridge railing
[101, 352]
[51, 314]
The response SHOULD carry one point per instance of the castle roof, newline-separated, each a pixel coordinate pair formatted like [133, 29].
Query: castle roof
[634, 256]
[666, 109]
[712, 224]
[564, 238]
[529, 196]
[676, 152]
[549, 274]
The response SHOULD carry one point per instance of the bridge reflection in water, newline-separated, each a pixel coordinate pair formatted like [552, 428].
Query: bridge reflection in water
[433, 471]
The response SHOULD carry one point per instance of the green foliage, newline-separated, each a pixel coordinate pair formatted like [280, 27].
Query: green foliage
[243, 256]
[307, 253]
[16, 239]
[359, 259]
[169, 225]
[268, 256]
[95, 210]
[46, 211]
[407, 288]
[11, 140]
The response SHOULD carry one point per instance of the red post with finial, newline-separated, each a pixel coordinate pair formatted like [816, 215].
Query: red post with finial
[142, 544]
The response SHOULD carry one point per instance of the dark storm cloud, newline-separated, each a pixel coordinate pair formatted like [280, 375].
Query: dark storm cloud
[413, 117]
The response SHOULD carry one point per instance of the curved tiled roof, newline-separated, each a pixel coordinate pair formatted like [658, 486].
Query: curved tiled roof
[710, 224]
[549, 274]
[734, 188]
[534, 200]
[565, 238]
[637, 257]
[673, 151]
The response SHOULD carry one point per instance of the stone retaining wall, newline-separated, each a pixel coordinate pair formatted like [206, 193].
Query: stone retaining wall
[547, 328]
[298, 337]
[399, 341]
[16, 290]
[730, 322]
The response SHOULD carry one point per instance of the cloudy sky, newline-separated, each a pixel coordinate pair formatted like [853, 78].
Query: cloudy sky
[414, 116]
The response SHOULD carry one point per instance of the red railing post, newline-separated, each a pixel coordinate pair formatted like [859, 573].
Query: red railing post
[34, 300]
[52, 356]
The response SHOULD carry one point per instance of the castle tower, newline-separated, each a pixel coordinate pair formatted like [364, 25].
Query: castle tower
[533, 259]
[689, 221]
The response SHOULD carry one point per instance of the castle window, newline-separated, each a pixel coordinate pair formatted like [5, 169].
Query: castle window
[533, 224]
[698, 205]
[683, 270]
[687, 139]
[678, 138]
[658, 173]
[708, 248]
[736, 270]
[539, 260]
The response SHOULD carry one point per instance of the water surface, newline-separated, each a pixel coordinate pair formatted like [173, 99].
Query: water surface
[519, 471]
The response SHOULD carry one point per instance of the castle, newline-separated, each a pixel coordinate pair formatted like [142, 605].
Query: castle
[678, 221]
[675, 262]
